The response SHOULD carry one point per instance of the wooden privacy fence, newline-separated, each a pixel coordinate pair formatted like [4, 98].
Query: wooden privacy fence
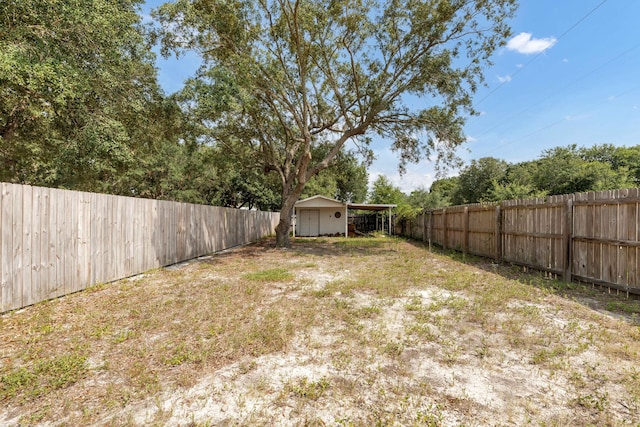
[591, 237]
[54, 242]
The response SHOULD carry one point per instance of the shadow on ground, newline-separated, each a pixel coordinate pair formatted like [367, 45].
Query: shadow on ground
[599, 298]
[318, 246]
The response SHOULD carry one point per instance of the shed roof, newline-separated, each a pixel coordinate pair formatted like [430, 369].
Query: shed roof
[318, 201]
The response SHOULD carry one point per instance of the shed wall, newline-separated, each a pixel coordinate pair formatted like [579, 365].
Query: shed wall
[329, 224]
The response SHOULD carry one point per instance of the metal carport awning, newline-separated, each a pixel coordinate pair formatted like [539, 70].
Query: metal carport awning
[373, 207]
[370, 206]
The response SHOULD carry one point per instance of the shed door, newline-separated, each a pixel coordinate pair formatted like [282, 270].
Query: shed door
[309, 222]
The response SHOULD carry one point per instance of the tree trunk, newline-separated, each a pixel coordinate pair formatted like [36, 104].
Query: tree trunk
[283, 239]
[284, 226]
[289, 200]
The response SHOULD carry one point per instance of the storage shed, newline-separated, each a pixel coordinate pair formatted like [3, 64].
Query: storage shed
[324, 216]
[319, 216]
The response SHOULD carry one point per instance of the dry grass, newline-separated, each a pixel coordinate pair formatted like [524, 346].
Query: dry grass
[332, 332]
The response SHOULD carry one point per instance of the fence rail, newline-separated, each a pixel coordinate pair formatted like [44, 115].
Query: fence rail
[592, 237]
[54, 242]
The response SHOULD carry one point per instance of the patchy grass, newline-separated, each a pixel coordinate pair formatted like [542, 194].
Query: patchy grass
[305, 389]
[271, 275]
[43, 377]
[346, 332]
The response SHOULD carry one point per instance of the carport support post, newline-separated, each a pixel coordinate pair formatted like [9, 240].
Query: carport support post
[346, 220]
[389, 221]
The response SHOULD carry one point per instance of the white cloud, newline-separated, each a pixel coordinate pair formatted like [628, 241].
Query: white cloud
[504, 79]
[565, 60]
[523, 43]
[572, 118]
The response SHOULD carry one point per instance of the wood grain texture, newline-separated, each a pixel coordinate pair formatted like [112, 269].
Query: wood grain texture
[592, 236]
[54, 242]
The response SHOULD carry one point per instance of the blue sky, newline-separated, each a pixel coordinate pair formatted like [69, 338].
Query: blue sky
[569, 75]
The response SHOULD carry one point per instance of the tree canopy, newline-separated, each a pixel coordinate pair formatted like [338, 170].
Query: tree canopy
[76, 82]
[80, 106]
[291, 79]
[345, 180]
[560, 170]
[288, 98]
[477, 179]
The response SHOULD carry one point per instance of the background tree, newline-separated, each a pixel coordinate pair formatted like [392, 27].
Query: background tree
[346, 180]
[511, 191]
[444, 188]
[79, 100]
[245, 191]
[352, 178]
[297, 75]
[476, 181]
[421, 199]
[562, 170]
[517, 183]
[384, 192]
[625, 158]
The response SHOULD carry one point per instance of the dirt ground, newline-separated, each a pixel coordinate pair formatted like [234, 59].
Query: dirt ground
[340, 332]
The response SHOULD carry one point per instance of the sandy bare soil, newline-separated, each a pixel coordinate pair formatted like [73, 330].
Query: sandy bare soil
[332, 332]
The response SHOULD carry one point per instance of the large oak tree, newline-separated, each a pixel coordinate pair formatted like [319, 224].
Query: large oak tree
[287, 77]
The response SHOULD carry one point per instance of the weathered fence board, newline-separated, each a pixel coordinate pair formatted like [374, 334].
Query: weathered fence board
[10, 296]
[592, 237]
[532, 233]
[27, 226]
[481, 229]
[54, 242]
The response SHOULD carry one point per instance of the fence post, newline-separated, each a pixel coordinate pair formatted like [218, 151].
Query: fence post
[444, 228]
[465, 231]
[424, 227]
[498, 233]
[430, 228]
[568, 240]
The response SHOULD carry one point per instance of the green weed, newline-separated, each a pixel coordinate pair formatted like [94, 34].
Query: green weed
[181, 354]
[43, 377]
[393, 348]
[310, 390]
[270, 275]
[598, 401]
[368, 312]
[628, 307]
